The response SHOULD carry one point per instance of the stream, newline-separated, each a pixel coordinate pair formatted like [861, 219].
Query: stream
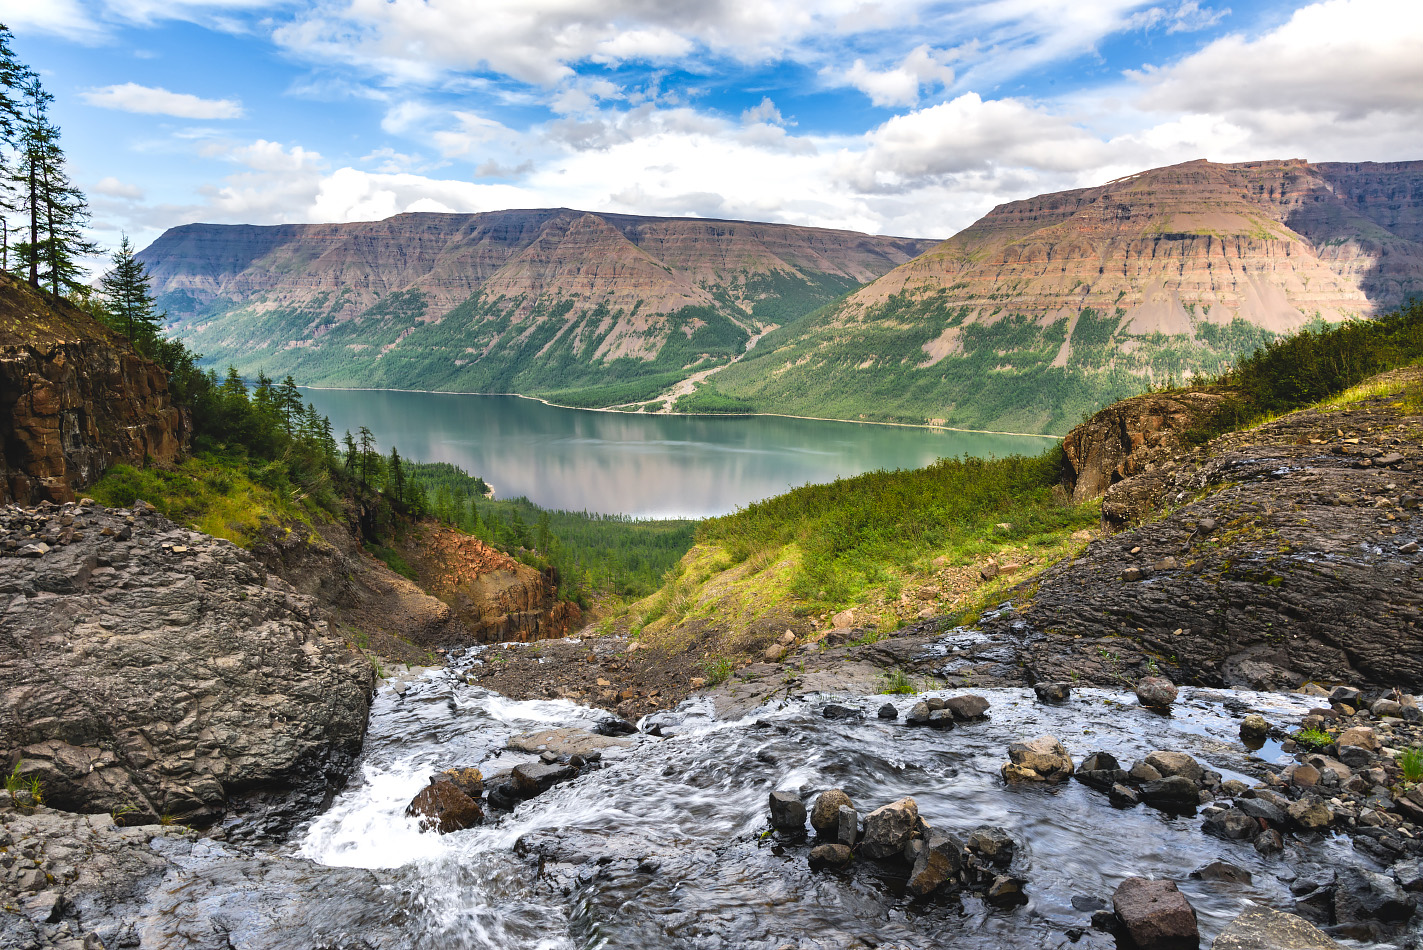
[667, 845]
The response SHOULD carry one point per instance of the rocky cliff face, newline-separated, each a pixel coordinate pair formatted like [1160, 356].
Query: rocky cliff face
[73, 399]
[152, 670]
[471, 301]
[1076, 298]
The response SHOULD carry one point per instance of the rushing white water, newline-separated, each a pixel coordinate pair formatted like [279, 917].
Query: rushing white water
[665, 845]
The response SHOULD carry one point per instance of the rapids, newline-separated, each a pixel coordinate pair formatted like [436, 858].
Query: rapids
[667, 845]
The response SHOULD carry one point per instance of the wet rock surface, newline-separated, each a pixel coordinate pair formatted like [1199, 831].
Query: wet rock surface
[153, 671]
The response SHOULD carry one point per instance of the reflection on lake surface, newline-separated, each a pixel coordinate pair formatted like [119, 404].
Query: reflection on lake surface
[647, 466]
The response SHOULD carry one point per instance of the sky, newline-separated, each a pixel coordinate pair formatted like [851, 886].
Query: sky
[896, 117]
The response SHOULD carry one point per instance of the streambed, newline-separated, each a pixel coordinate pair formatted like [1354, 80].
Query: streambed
[667, 844]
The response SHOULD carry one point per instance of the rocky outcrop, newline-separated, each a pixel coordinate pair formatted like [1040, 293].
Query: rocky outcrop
[78, 882]
[1137, 436]
[73, 400]
[1274, 555]
[152, 671]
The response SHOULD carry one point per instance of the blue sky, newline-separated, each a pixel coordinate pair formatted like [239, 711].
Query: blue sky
[890, 116]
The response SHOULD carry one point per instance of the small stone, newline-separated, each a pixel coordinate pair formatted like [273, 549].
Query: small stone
[1156, 692]
[1254, 728]
[1359, 736]
[1205, 526]
[919, 715]
[837, 711]
[939, 859]
[1052, 692]
[847, 825]
[787, 811]
[1305, 776]
[1100, 762]
[887, 711]
[1133, 574]
[994, 845]
[1222, 871]
[1344, 694]
[1156, 914]
[1006, 888]
[1232, 825]
[830, 856]
[1410, 547]
[1269, 842]
[1123, 796]
[825, 816]
[1311, 814]
[775, 653]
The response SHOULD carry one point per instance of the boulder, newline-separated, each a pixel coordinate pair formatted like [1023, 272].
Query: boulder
[1176, 793]
[1156, 692]
[1363, 896]
[787, 811]
[888, 828]
[1175, 763]
[1409, 874]
[1052, 692]
[1268, 812]
[830, 856]
[1098, 762]
[1156, 915]
[838, 711]
[967, 708]
[1123, 796]
[939, 859]
[1254, 728]
[443, 807]
[1261, 928]
[888, 711]
[919, 715]
[825, 816]
[1039, 760]
[1344, 695]
[993, 845]
[1232, 825]
[535, 778]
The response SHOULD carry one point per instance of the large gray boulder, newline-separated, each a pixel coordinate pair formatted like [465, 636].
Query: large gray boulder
[888, 829]
[156, 671]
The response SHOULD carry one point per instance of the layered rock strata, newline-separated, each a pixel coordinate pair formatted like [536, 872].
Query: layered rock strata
[152, 671]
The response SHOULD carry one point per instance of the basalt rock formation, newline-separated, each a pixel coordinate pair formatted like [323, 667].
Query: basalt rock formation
[1057, 304]
[74, 398]
[152, 671]
[533, 301]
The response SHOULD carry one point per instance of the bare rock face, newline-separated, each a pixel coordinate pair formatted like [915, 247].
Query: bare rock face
[1130, 438]
[149, 670]
[74, 399]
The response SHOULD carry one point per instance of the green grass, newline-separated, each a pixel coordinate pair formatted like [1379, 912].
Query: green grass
[854, 533]
[1314, 739]
[393, 560]
[897, 683]
[718, 670]
[1410, 763]
[223, 496]
[23, 792]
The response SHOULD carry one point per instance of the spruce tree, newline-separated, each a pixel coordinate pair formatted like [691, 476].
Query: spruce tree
[130, 297]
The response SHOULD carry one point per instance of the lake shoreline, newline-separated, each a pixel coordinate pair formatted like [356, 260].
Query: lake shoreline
[685, 415]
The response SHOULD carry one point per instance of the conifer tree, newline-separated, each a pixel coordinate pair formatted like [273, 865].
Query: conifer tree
[127, 288]
[55, 210]
[396, 479]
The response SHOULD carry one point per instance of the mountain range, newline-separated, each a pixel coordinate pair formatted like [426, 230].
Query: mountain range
[1042, 310]
[591, 309]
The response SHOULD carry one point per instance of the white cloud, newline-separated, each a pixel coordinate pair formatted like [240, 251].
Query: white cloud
[764, 113]
[152, 100]
[1188, 17]
[1336, 60]
[67, 18]
[114, 188]
[924, 66]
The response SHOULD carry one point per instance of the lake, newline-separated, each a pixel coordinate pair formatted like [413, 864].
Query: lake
[642, 465]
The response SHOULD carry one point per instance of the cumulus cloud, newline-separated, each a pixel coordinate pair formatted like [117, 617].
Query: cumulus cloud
[764, 113]
[924, 66]
[153, 100]
[1340, 59]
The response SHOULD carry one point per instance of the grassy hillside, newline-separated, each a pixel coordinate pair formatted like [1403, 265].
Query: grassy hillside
[995, 376]
[487, 346]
